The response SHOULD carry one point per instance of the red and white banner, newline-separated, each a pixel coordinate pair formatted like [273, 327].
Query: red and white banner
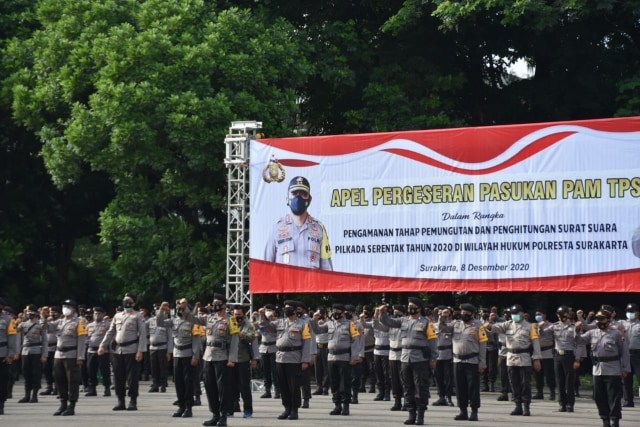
[534, 207]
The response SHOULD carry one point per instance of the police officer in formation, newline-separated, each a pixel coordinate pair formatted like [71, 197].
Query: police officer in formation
[268, 351]
[96, 331]
[52, 312]
[419, 352]
[128, 330]
[8, 350]
[610, 353]
[547, 371]
[294, 355]
[160, 353]
[69, 356]
[469, 358]
[34, 353]
[444, 364]
[632, 336]
[247, 360]
[395, 353]
[322, 360]
[343, 348]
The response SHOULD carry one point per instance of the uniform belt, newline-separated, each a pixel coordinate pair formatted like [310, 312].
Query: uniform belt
[215, 344]
[445, 347]
[31, 344]
[340, 351]
[414, 347]
[519, 350]
[65, 349]
[564, 352]
[396, 349]
[369, 347]
[126, 343]
[606, 359]
[182, 347]
[94, 348]
[269, 343]
[465, 356]
[634, 351]
[382, 347]
[295, 348]
[545, 348]
[4, 344]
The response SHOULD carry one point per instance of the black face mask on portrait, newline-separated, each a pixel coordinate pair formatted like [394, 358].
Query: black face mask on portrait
[289, 311]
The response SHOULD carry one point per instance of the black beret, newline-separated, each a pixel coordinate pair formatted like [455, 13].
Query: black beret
[32, 307]
[350, 308]
[339, 307]
[219, 297]
[417, 301]
[291, 302]
[270, 306]
[99, 309]
[400, 307]
[70, 303]
[468, 307]
[302, 304]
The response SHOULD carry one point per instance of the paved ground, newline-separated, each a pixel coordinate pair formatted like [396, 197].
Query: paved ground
[156, 409]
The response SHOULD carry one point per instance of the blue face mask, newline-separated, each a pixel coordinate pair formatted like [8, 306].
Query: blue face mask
[298, 205]
[515, 318]
[631, 315]
[538, 318]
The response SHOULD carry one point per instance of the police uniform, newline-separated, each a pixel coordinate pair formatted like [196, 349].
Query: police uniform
[322, 363]
[186, 348]
[610, 354]
[222, 349]
[268, 351]
[356, 369]
[343, 352]
[8, 350]
[52, 342]
[469, 355]
[546, 372]
[294, 349]
[34, 353]
[395, 351]
[129, 332]
[522, 349]
[632, 336]
[302, 246]
[444, 368]
[72, 342]
[419, 351]
[368, 370]
[241, 372]
[96, 330]
[159, 346]
[381, 361]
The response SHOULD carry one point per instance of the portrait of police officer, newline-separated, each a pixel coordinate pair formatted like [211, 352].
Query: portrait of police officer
[299, 239]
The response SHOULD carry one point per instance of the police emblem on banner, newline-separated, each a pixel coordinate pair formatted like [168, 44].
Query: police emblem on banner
[273, 171]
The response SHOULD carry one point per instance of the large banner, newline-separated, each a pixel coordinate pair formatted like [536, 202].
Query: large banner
[535, 207]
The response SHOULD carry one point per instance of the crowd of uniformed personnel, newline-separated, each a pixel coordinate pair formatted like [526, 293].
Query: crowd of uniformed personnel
[397, 351]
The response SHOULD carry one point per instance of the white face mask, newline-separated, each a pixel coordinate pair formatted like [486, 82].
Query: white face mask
[268, 314]
[66, 311]
[631, 315]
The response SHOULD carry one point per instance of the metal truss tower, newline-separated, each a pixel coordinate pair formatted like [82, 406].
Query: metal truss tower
[237, 163]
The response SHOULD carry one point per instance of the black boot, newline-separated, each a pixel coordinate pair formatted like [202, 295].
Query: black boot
[378, 397]
[474, 414]
[492, 387]
[133, 404]
[188, 413]
[552, 394]
[154, 388]
[504, 397]
[293, 415]
[27, 396]
[213, 421]
[440, 402]
[526, 412]
[47, 391]
[107, 391]
[450, 402]
[284, 415]
[305, 403]
[34, 396]
[563, 408]
[120, 406]
[615, 422]
[1, 407]
[606, 422]
[337, 410]
[387, 396]
[485, 387]
[462, 415]
[354, 398]
[62, 408]
[345, 409]
[266, 394]
[420, 417]
[71, 410]
[517, 410]
[397, 405]
[222, 422]
[412, 418]
[91, 391]
[538, 396]
[569, 407]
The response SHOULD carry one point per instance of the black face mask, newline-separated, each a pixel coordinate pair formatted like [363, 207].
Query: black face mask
[239, 319]
[348, 316]
[563, 318]
[337, 316]
[127, 304]
[602, 325]
[217, 306]
[456, 317]
[396, 315]
[414, 310]
[367, 314]
[55, 314]
[289, 311]
[466, 317]
[299, 314]
[179, 311]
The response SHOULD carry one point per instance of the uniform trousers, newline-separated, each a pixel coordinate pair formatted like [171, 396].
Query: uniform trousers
[356, 378]
[102, 363]
[341, 377]
[546, 373]
[159, 364]
[183, 377]
[289, 378]
[67, 375]
[467, 380]
[634, 361]
[565, 377]
[322, 368]
[4, 381]
[32, 371]
[216, 385]
[383, 376]
[368, 372]
[242, 380]
[415, 381]
[520, 379]
[491, 373]
[444, 377]
[47, 369]
[269, 371]
[396, 378]
[126, 373]
[606, 393]
[504, 375]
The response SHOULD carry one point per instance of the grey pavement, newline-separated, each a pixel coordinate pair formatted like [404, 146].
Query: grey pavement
[156, 408]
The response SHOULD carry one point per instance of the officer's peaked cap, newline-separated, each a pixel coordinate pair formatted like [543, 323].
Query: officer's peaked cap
[130, 295]
[608, 308]
[70, 303]
[603, 313]
[338, 307]
[468, 307]
[302, 304]
[632, 307]
[219, 297]
[417, 301]
[32, 307]
[516, 308]
[400, 307]
[270, 306]
[563, 309]
[299, 183]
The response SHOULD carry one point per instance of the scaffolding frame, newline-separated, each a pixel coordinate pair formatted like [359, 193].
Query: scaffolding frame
[237, 163]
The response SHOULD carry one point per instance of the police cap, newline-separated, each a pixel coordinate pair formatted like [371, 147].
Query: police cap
[302, 304]
[563, 309]
[417, 301]
[270, 306]
[350, 308]
[631, 307]
[291, 302]
[32, 307]
[516, 308]
[400, 307]
[603, 314]
[70, 303]
[219, 297]
[299, 183]
[99, 309]
[608, 308]
[130, 295]
[338, 307]
[468, 307]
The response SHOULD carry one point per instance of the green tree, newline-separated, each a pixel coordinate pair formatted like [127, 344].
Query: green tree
[143, 92]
